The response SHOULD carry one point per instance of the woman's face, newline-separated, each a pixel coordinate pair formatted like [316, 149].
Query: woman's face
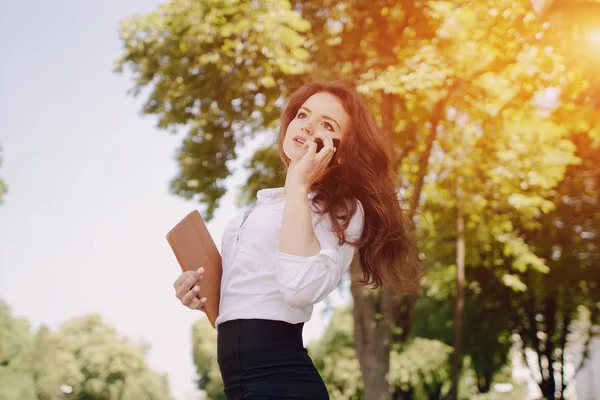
[323, 113]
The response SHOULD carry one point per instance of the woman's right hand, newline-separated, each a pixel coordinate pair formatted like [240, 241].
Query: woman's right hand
[187, 288]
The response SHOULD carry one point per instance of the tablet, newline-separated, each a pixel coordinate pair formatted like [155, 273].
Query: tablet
[194, 248]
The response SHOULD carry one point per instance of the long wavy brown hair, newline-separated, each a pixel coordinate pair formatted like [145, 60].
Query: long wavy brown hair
[364, 172]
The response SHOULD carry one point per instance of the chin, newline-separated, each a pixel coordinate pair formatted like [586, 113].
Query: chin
[292, 152]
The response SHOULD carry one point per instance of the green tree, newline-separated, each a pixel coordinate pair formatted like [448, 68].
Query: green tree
[569, 240]
[503, 182]
[335, 357]
[421, 65]
[488, 317]
[216, 68]
[488, 325]
[204, 341]
[434, 80]
[16, 344]
[112, 367]
[418, 367]
[53, 366]
[85, 355]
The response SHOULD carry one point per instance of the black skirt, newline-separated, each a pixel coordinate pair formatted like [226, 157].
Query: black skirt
[265, 359]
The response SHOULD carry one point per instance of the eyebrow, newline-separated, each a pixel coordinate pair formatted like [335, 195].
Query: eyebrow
[324, 116]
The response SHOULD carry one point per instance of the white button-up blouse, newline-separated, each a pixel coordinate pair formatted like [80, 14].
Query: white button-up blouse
[261, 282]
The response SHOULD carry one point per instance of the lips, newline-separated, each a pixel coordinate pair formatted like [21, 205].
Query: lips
[299, 140]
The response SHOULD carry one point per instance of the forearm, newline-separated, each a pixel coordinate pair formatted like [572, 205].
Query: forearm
[297, 234]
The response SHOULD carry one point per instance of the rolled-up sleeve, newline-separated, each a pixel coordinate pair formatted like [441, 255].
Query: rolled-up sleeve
[305, 281]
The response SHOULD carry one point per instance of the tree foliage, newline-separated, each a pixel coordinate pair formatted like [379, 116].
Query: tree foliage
[419, 367]
[335, 357]
[569, 240]
[467, 91]
[204, 343]
[85, 359]
[214, 68]
[16, 345]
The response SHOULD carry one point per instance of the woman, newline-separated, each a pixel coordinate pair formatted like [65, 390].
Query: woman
[288, 253]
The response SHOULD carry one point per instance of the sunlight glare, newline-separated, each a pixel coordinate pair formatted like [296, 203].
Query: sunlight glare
[594, 36]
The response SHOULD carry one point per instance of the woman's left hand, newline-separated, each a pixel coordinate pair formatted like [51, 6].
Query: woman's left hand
[309, 169]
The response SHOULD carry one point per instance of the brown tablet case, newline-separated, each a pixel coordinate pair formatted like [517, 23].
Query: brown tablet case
[194, 248]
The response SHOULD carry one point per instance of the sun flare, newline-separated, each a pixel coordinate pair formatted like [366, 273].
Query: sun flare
[593, 37]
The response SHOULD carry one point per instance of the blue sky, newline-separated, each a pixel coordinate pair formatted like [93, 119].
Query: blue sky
[82, 228]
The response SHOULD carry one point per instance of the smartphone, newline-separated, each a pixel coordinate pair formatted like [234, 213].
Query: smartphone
[320, 144]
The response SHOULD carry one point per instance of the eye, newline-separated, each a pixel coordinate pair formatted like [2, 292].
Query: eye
[301, 115]
[328, 126]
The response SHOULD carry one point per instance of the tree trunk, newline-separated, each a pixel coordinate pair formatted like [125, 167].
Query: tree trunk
[563, 345]
[531, 332]
[548, 384]
[460, 291]
[373, 316]
[373, 333]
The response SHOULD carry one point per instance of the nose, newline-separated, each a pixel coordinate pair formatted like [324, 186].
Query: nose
[307, 128]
